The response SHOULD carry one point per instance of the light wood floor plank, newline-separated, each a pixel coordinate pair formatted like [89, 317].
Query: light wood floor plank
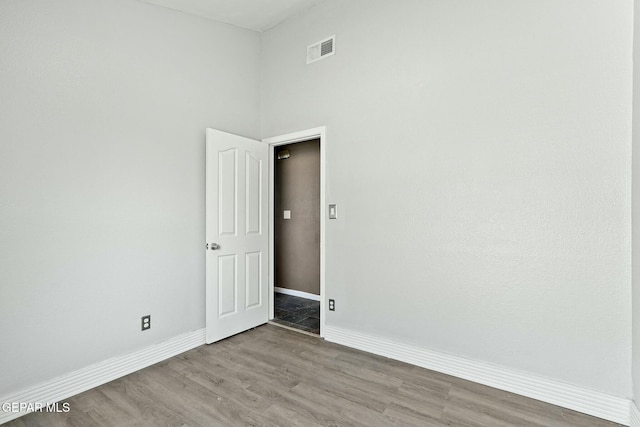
[275, 377]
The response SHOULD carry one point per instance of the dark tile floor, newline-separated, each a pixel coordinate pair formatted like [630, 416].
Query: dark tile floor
[299, 313]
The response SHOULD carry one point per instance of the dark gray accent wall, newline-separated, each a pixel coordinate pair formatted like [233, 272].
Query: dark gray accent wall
[297, 240]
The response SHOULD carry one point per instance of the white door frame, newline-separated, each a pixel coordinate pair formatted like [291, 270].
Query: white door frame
[291, 138]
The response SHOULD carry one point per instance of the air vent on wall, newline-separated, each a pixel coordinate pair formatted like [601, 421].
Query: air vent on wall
[321, 49]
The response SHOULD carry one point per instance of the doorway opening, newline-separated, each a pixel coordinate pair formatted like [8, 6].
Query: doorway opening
[297, 235]
[297, 224]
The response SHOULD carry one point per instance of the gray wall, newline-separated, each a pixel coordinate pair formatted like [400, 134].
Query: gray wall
[297, 240]
[479, 153]
[490, 197]
[636, 203]
[103, 107]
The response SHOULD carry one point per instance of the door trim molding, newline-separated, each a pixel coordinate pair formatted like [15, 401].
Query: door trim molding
[291, 138]
[581, 399]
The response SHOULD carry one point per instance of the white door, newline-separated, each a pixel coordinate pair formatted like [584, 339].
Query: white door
[237, 234]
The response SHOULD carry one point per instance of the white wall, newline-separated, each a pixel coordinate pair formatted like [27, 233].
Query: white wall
[479, 153]
[103, 107]
[636, 203]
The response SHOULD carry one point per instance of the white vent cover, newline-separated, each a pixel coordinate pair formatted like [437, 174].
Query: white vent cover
[321, 49]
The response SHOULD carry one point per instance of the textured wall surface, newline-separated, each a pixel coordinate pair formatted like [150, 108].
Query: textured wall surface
[479, 154]
[103, 110]
[636, 203]
[488, 213]
[297, 240]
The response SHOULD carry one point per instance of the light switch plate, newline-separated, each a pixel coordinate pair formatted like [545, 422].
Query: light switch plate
[287, 214]
[333, 212]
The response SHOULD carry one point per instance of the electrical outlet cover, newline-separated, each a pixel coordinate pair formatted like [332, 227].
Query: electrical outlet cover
[146, 322]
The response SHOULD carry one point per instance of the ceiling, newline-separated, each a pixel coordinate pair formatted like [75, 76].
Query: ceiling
[258, 15]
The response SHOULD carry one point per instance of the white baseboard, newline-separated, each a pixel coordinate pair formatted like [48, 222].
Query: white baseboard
[297, 293]
[635, 415]
[100, 373]
[613, 408]
[579, 399]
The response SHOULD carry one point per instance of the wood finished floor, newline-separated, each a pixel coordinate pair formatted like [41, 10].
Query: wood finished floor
[273, 376]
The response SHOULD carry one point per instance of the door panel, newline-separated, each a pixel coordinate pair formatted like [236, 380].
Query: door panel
[227, 192]
[236, 227]
[253, 280]
[227, 285]
[254, 174]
